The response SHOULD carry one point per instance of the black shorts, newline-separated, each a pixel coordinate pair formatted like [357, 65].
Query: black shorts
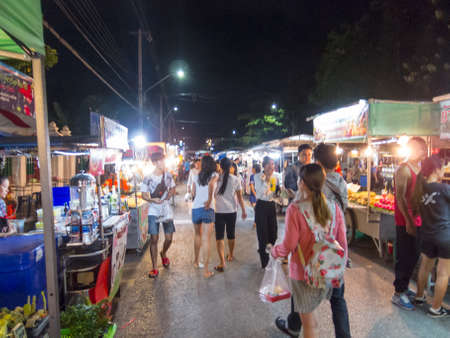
[228, 220]
[436, 248]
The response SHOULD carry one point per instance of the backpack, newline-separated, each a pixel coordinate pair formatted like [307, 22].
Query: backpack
[326, 267]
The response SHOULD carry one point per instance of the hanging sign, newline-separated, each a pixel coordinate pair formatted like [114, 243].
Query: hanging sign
[445, 119]
[114, 136]
[96, 162]
[344, 124]
[16, 92]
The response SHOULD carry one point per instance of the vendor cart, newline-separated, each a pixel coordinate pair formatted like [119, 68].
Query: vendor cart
[368, 128]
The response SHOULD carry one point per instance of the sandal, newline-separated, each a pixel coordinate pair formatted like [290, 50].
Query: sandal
[165, 260]
[208, 274]
[219, 268]
[230, 258]
[153, 274]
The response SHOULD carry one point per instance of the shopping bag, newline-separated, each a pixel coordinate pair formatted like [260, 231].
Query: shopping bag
[166, 212]
[274, 286]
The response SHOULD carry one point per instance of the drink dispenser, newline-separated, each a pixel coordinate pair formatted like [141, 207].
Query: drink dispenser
[82, 192]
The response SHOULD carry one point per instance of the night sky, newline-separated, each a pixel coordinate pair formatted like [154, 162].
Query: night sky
[237, 53]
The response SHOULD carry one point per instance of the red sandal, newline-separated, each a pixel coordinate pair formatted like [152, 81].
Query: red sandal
[165, 261]
[153, 274]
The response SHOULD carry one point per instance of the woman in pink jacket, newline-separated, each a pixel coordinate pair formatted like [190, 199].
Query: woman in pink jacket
[313, 202]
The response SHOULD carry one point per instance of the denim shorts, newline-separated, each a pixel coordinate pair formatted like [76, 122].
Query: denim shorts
[202, 215]
[153, 226]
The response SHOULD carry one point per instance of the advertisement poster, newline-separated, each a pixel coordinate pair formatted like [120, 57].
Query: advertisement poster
[119, 249]
[344, 124]
[16, 102]
[16, 92]
[445, 119]
[115, 136]
[96, 162]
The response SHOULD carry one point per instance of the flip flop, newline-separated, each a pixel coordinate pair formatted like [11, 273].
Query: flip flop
[165, 260]
[199, 266]
[219, 268]
[230, 258]
[153, 274]
[210, 274]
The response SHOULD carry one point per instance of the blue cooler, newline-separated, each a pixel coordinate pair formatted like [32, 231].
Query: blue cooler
[22, 270]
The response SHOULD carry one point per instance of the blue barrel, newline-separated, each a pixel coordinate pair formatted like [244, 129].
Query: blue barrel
[22, 270]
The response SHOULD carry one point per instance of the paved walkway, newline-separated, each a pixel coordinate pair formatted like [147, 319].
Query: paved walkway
[181, 303]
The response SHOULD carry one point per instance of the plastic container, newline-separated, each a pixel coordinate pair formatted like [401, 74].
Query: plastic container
[22, 270]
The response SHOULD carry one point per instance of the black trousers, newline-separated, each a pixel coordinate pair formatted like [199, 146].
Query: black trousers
[266, 227]
[407, 256]
[338, 309]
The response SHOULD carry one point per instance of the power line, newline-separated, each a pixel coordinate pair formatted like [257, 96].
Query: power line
[86, 64]
[92, 24]
[108, 33]
[68, 15]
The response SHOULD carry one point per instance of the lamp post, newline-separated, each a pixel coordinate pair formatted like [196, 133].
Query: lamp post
[180, 75]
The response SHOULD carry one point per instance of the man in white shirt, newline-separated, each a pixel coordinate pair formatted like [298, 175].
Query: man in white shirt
[157, 189]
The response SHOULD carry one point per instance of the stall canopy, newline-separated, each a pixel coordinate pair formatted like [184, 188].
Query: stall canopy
[21, 29]
[377, 118]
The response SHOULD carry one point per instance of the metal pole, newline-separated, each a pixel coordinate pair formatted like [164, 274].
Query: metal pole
[161, 122]
[141, 122]
[40, 104]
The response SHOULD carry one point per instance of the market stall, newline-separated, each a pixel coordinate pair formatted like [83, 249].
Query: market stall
[367, 133]
[21, 38]
[89, 222]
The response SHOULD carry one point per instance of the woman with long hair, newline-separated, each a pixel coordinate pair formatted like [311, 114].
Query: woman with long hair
[431, 200]
[228, 194]
[266, 184]
[203, 209]
[313, 205]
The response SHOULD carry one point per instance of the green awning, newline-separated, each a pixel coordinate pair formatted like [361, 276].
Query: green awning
[21, 29]
[391, 118]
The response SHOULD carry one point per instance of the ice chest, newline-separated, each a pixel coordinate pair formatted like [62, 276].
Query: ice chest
[22, 270]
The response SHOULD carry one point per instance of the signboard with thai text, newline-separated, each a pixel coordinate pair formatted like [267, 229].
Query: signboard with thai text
[344, 124]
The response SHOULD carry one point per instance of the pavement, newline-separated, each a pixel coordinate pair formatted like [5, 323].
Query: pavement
[182, 303]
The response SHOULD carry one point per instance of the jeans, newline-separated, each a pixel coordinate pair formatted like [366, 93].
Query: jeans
[339, 310]
[340, 313]
[406, 260]
[266, 228]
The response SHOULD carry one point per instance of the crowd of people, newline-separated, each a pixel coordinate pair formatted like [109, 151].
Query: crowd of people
[318, 200]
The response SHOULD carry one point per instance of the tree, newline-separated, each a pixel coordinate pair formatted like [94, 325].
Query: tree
[398, 50]
[267, 126]
[51, 59]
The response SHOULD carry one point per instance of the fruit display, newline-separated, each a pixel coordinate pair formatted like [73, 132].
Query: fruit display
[132, 202]
[385, 204]
[25, 316]
[380, 203]
[362, 198]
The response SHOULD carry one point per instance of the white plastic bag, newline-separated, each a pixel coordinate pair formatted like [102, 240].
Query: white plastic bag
[274, 286]
[166, 212]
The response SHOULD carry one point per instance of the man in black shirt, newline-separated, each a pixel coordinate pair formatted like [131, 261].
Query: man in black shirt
[292, 172]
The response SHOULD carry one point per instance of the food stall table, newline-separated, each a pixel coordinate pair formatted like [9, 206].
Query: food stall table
[375, 124]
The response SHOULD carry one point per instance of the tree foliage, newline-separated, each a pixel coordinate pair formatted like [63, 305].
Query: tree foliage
[399, 49]
[265, 127]
[51, 59]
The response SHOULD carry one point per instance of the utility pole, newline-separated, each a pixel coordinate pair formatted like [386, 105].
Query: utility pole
[140, 96]
[161, 119]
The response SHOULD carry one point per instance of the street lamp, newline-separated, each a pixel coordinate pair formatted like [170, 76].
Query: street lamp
[234, 132]
[175, 108]
[274, 106]
[180, 74]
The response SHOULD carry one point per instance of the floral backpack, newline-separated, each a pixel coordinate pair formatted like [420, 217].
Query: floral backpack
[327, 264]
